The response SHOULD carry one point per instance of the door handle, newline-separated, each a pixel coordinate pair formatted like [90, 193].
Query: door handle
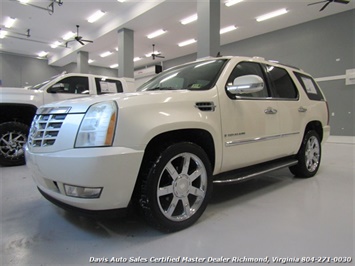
[302, 109]
[270, 111]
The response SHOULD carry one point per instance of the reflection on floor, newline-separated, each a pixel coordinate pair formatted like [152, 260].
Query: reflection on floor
[273, 216]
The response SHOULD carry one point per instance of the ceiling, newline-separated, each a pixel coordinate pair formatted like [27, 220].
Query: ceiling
[143, 17]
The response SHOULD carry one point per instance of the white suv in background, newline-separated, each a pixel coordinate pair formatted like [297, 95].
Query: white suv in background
[214, 121]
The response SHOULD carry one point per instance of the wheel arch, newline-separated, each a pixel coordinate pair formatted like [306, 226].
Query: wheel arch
[11, 112]
[201, 137]
[316, 126]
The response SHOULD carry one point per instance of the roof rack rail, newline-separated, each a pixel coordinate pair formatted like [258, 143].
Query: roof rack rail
[290, 66]
[277, 62]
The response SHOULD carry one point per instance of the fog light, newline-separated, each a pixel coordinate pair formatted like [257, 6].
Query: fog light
[82, 192]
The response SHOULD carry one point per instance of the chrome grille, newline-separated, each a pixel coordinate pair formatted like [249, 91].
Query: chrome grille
[45, 129]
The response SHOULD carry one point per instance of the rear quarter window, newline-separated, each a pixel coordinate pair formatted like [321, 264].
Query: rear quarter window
[310, 87]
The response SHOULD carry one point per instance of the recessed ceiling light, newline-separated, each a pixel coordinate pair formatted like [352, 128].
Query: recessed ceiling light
[96, 16]
[232, 2]
[3, 34]
[114, 66]
[137, 59]
[191, 41]
[90, 61]
[42, 54]
[121, 1]
[227, 29]
[68, 35]
[24, 1]
[9, 22]
[189, 19]
[273, 14]
[55, 44]
[156, 34]
[106, 54]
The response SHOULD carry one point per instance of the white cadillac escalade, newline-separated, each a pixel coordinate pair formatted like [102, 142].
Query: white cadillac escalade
[213, 121]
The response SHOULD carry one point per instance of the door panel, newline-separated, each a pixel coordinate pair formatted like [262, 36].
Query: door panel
[250, 135]
[250, 122]
[291, 112]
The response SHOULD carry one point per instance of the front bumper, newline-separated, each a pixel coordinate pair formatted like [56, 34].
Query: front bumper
[114, 169]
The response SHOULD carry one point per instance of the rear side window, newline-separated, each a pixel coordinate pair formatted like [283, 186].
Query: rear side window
[310, 87]
[105, 86]
[281, 82]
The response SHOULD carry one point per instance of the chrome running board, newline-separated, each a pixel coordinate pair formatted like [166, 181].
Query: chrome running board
[243, 174]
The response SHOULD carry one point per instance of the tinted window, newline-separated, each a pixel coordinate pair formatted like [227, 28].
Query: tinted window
[108, 86]
[281, 82]
[247, 68]
[310, 87]
[75, 85]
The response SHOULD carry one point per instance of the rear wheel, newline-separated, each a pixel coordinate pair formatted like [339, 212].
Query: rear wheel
[13, 135]
[309, 156]
[177, 188]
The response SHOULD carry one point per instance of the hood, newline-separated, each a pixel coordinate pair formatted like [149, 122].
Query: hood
[17, 95]
[123, 100]
[15, 90]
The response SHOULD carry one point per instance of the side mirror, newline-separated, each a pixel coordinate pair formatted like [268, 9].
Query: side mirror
[56, 87]
[246, 84]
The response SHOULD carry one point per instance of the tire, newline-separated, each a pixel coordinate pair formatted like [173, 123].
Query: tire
[13, 135]
[309, 156]
[177, 188]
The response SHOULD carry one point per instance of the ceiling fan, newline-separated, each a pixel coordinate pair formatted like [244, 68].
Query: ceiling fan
[156, 54]
[78, 38]
[328, 2]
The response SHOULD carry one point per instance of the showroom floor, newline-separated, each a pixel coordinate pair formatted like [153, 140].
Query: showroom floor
[273, 216]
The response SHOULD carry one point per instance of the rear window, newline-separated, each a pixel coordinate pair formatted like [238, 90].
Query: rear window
[310, 87]
[105, 86]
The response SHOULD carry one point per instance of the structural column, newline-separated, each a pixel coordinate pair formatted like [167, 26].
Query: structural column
[82, 59]
[125, 53]
[208, 39]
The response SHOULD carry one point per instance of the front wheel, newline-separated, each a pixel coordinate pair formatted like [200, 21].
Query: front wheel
[176, 190]
[13, 135]
[309, 156]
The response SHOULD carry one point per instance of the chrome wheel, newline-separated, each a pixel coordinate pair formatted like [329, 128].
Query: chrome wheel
[13, 136]
[309, 156]
[312, 154]
[11, 144]
[175, 186]
[182, 187]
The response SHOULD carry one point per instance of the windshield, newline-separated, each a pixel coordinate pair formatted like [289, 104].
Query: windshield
[200, 75]
[40, 85]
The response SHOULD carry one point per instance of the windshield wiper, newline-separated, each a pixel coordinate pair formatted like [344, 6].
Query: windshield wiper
[162, 89]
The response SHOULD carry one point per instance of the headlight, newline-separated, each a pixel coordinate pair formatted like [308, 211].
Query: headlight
[97, 128]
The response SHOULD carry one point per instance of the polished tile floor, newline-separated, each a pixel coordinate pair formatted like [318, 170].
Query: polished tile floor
[273, 216]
